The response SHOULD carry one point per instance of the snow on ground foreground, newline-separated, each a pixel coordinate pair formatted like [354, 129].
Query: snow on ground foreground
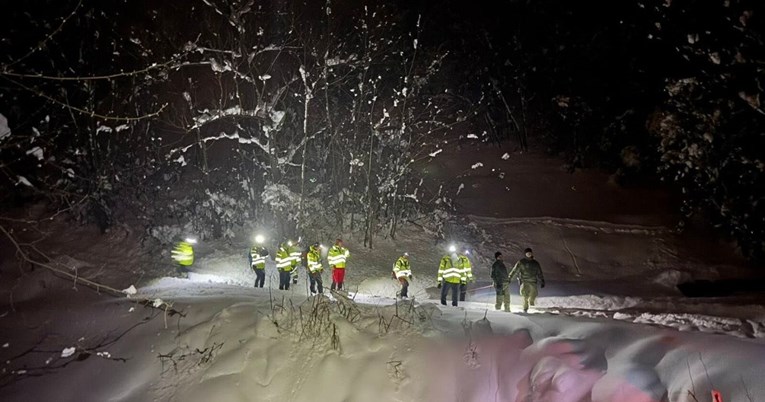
[243, 344]
[609, 326]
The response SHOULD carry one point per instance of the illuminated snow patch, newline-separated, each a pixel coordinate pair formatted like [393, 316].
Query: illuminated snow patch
[212, 278]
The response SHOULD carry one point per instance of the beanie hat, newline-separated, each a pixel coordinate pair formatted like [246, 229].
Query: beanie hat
[497, 254]
[528, 250]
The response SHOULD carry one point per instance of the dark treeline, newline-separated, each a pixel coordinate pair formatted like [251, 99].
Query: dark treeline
[212, 114]
[651, 90]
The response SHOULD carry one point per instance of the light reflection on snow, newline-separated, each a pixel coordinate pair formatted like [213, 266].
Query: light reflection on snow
[212, 278]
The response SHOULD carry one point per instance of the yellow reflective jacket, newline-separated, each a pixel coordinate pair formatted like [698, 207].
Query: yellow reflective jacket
[337, 256]
[183, 253]
[449, 273]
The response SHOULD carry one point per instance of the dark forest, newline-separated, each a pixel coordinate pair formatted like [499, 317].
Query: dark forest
[207, 114]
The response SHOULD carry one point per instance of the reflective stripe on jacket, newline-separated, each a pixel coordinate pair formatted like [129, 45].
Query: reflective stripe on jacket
[401, 268]
[258, 257]
[448, 272]
[337, 256]
[183, 253]
[314, 260]
[467, 268]
[283, 259]
[295, 256]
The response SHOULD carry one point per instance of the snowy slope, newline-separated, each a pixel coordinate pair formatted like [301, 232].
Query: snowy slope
[242, 344]
[610, 324]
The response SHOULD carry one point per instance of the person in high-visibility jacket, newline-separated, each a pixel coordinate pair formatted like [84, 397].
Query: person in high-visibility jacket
[258, 256]
[464, 264]
[314, 268]
[336, 257]
[183, 254]
[296, 257]
[403, 273]
[450, 276]
[285, 264]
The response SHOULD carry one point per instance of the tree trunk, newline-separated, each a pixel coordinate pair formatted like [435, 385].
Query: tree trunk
[370, 213]
[302, 166]
[202, 150]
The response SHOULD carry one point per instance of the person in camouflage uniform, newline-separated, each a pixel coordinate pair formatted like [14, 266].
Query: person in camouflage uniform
[529, 274]
[501, 280]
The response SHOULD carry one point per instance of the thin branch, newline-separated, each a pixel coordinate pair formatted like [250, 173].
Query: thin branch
[88, 78]
[47, 38]
[84, 111]
[76, 278]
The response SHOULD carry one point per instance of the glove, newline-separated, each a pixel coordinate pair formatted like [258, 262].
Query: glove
[543, 284]
[411, 277]
[439, 285]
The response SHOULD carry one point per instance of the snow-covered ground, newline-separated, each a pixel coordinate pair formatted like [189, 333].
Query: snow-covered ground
[609, 326]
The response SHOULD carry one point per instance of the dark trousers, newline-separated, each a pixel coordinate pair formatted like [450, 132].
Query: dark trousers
[260, 278]
[404, 286]
[463, 291]
[284, 280]
[455, 288]
[316, 282]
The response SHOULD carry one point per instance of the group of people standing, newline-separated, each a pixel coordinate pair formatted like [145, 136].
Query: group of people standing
[288, 258]
[455, 271]
[529, 274]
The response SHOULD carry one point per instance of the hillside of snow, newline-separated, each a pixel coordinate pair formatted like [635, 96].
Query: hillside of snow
[610, 325]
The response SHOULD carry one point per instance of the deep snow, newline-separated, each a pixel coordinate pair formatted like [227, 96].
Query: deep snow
[610, 325]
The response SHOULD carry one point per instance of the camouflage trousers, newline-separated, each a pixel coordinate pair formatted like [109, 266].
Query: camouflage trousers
[503, 296]
[529, 293]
